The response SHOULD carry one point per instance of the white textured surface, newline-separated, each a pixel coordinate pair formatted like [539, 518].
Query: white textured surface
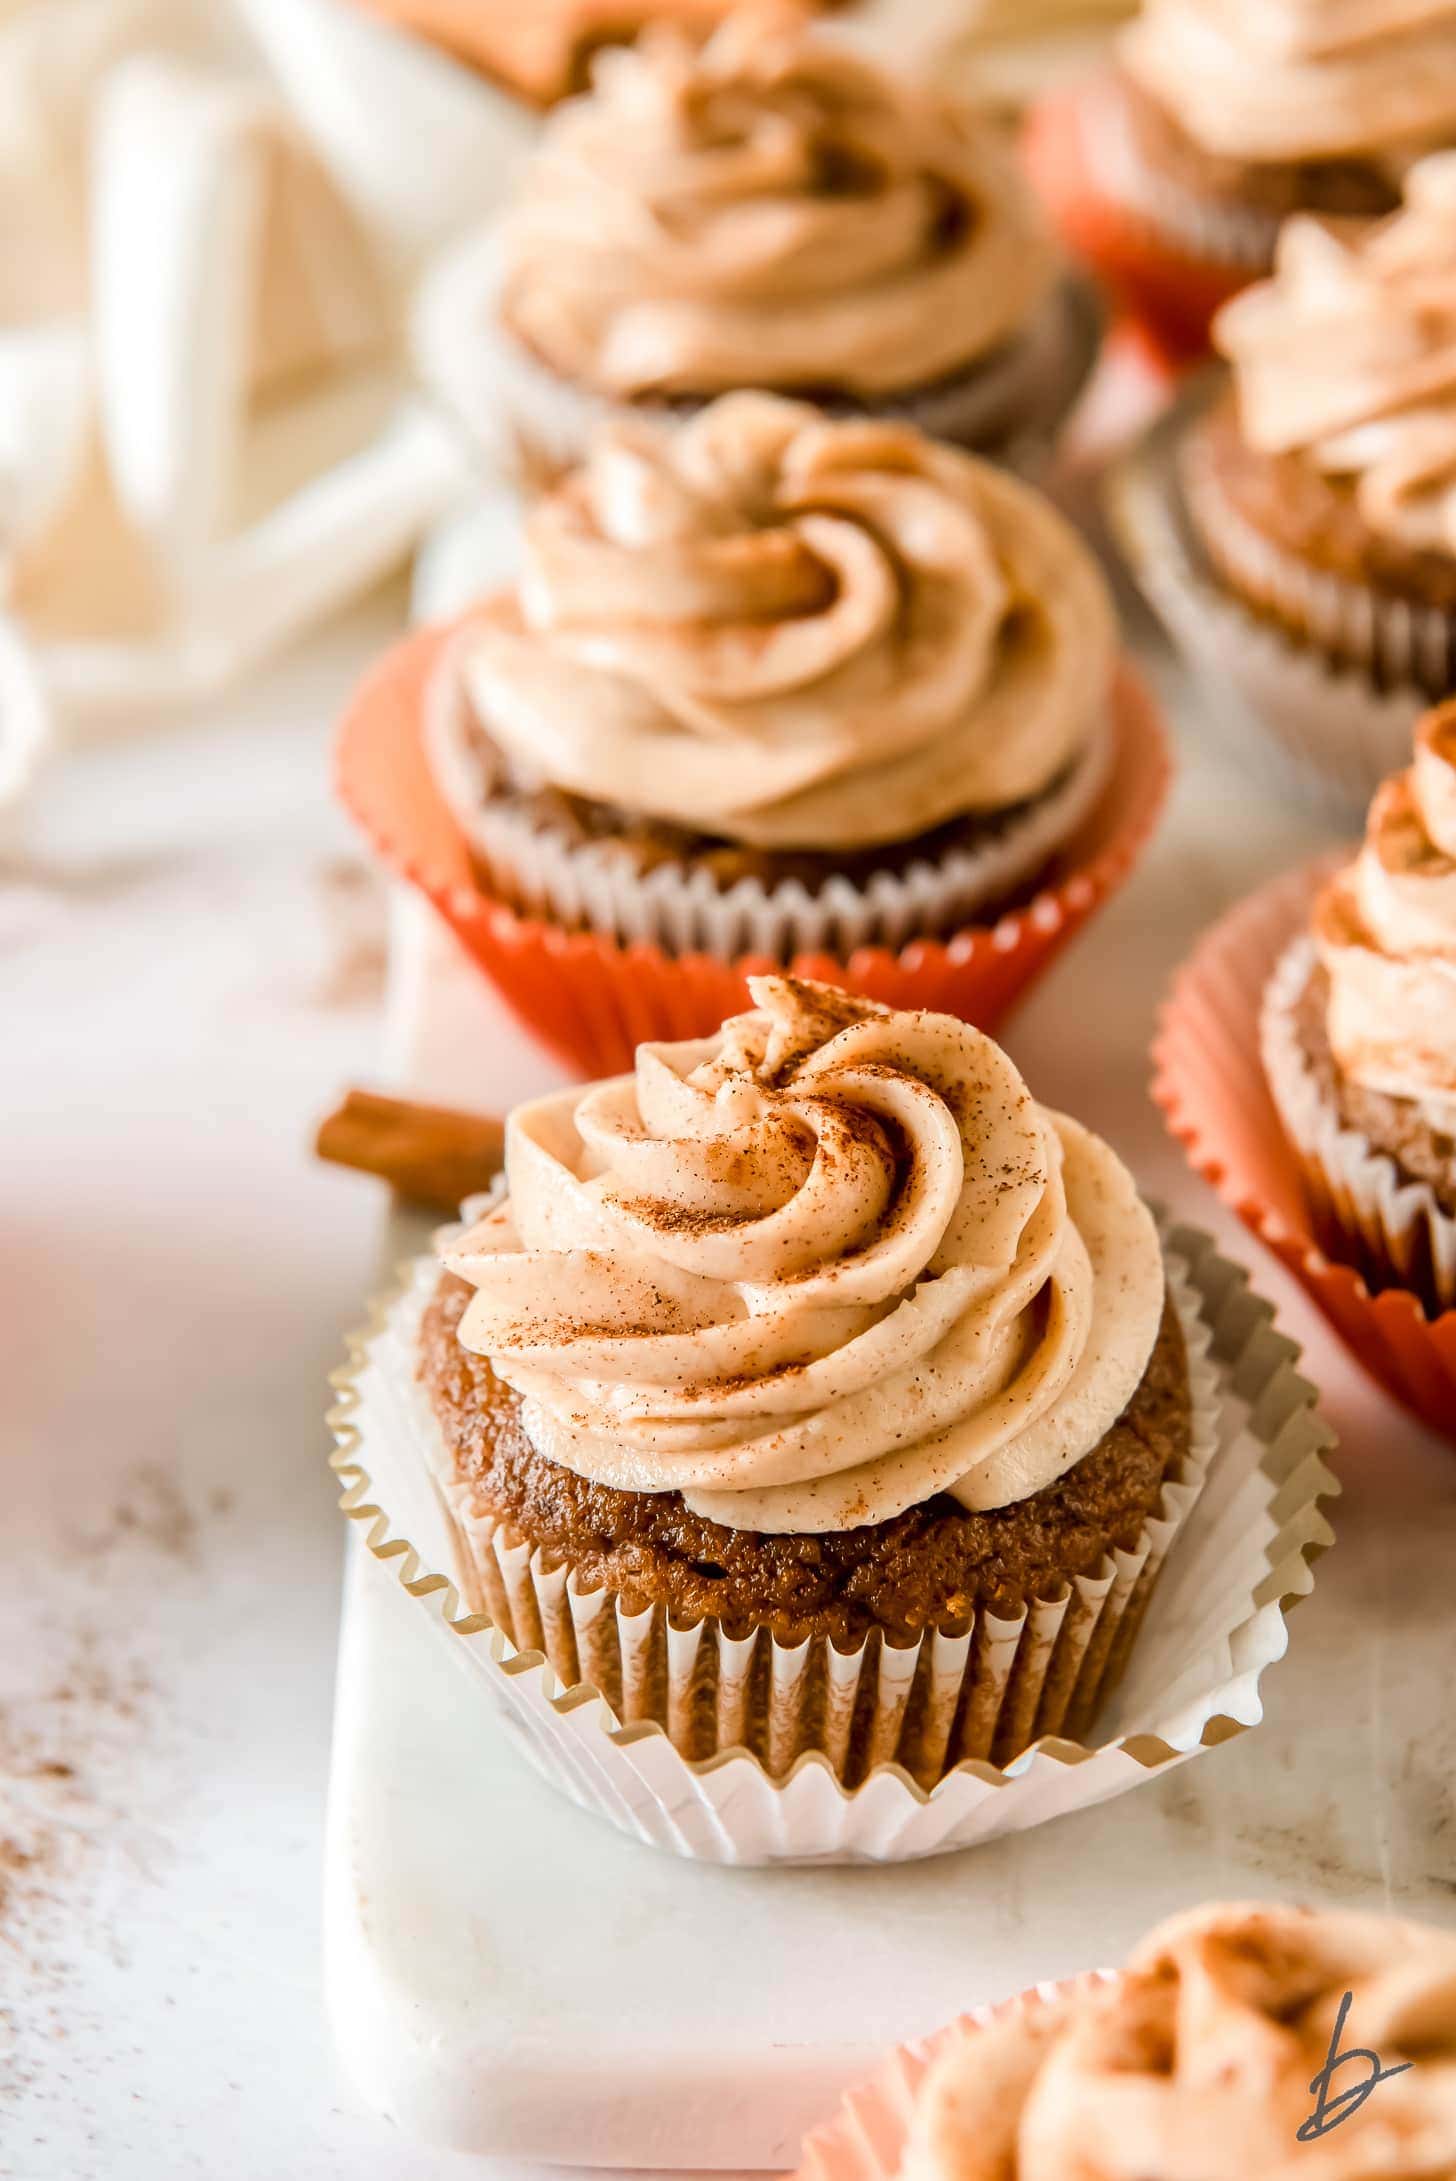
[177, 1276]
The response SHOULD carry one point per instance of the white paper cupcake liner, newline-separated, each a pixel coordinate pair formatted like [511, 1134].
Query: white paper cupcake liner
[1391, 1225]
[599, 886]
[1213, 1623]
[530, 422]
[866, 2139]
[1310, 725]
[1396, 641]
[1240, 237]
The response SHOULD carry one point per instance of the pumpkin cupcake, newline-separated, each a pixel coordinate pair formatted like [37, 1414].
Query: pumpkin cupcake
[1322, 486]
[1202, 2058]
[820, 1339]
[1359, 1036]
[1224, 117]
[766, 208]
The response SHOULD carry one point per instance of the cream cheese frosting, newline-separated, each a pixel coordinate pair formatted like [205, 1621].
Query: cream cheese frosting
[1276, 80]
[792, 632]
[1348, 355]
[1385, 930]
[766, 208]
[814, 1271]
[1198, 2063]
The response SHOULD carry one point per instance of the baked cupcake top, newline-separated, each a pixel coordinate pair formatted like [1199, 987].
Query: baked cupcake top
[793, 633]
[1281, 80]
[766, 208]
[1347, 355]
[1199, 2059]
[814, 1271]
[1385, 930]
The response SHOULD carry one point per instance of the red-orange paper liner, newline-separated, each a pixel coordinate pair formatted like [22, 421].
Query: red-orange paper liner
[1170, 259]
[1209, 1080]
[866, 2139]
[593, 1000]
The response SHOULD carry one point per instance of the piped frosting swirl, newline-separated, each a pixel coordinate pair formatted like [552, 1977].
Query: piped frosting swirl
[1289, 80]
[766, 208]
[1385, 930]
[772, 628]
[1199, 2061]
[1348, 355]
[814, 1271]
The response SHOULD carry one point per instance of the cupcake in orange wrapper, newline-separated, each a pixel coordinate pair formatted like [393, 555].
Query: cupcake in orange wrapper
[1304, 1059]
[1358, 1033]
[811, 1393]
[770, 208]
[1173, 171]
[772, 689]
[1207, 2058]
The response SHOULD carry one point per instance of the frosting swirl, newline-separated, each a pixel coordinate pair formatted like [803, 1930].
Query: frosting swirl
[1199, 2060]
[813, 1271]
[766, 208]
[794, 633]
[1385, 930]
[1300, 79]
[1348, 355]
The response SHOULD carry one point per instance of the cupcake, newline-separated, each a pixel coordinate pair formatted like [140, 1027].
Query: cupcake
[1206, 2057]
[1320, 485]
[1224, 117]
[1358, 1039]
[763, 208]
[814, 1390]
[1011, 50]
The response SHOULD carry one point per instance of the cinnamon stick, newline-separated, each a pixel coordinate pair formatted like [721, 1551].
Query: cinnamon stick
[430, 1154]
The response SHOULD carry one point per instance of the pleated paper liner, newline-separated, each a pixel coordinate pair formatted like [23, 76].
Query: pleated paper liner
[1171, 261]
[651, 1744]
[1312, 727]
[1209, 1080]
[866, 2139]
[593, 1001]
[527, 419]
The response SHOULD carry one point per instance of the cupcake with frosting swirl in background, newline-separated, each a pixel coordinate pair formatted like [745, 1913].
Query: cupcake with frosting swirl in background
[823, 1346]
[1359, 1036]
[764, 207]
[1201, 2059]
[771, 688]
[1173, 171]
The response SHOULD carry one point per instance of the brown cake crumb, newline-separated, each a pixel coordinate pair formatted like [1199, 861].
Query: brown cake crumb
[932, 1566]
[1393, 1125]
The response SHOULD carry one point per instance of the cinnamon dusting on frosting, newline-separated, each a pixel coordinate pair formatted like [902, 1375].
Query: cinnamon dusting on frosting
[904, 1279]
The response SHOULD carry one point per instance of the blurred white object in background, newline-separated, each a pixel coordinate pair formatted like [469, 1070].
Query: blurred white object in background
[26, 733]
[422, 143]
[225, 447]
[1004, 51]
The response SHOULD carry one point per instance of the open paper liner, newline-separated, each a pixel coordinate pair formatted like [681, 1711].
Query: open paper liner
[1209, 1079]
[650, 1745]
[593, 1000]
[1397, 642]
[1311, 725]
[530, 421]
[1388, 1225]
[866, 2139]
[1171, 258]
[685, 909]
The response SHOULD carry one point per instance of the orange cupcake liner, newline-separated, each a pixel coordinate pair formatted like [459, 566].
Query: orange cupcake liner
[592, 1000]
[1209, 1081]
[1169, 291]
